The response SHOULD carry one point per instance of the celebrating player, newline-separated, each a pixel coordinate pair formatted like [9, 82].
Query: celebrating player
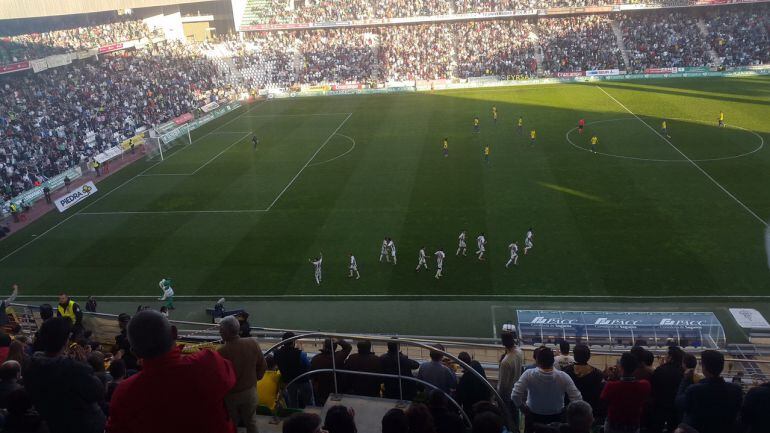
[446, 147]
[317, 262]
[421, 260]
[481, 242]
[353, 267]
[439, 263]
[461, 245]
[528, 240]
[514, 248]
[581, 125]
[168, 292]
[384, 250]
[594, 142]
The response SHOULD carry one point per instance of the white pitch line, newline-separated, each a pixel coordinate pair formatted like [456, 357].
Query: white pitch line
[694, 164]
[218, 154]
[121, 185]
[353, 146]
[297, 115]
[291, 182]
[164, 212]
[415, 296]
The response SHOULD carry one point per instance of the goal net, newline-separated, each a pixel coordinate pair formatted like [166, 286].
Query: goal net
[159, 145]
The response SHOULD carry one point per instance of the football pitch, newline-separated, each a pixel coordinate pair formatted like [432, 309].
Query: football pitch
[646, 217]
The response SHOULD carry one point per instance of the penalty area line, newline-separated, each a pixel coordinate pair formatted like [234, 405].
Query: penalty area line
[694, 164]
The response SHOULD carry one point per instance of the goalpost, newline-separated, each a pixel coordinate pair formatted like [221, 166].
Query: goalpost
[158, 145]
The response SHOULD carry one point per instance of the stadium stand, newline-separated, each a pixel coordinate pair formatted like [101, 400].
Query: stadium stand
[94, 361]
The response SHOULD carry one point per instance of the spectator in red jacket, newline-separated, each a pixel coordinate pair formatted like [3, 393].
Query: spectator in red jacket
[172, 393]
[625, 398]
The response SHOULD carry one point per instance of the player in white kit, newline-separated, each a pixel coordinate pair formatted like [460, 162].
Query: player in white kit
[353, 267]
[421, 260]
[384, 250]
[317, 262]
[528, 240]
[392, 249]
[514, 254]
[439, 262]
[461, 245]
[481, 242]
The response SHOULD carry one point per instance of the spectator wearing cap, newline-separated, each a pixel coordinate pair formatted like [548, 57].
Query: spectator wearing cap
[328, 358]
[539, 392]
[625, 398]
[665, 384]
[170, 384]
[436, 373]
[64, 390]
[122, 347]
[292, 363]
[365, 361]
[711, 405]
[396, 363]
[249, 364]
[588, 379]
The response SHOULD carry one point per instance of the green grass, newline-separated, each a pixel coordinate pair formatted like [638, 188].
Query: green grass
[604, 226]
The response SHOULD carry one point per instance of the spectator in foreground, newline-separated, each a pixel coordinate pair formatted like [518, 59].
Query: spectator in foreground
[579, 416]
[419, 418]
[365, 360]
[395, 362]
[64, 390]
[268, 387]
[625, 398]
[302, 423]
[755, 418]
[508, 374]
[487, 422]
[564, 359]
[22, 416]
[340, 419]
[293, 362]
[646, 358]
[249, 365]
[588, 379]
[471, 389]
[436, 373]
[665, 384]
[544, 389]
[170, 384]
[10, 373]
[395, 421]
[5, 346]
[328, 358]
[118, 374]
[711, 405]
[444, 419]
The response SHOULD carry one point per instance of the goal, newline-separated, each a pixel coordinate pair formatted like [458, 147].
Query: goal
[158, 145]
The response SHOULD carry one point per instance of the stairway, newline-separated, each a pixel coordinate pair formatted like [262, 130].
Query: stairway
[715, 59]
[539, 56]
[621, 44]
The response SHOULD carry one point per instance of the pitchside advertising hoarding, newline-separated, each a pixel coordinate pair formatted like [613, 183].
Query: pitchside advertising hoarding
[615, 327]
[71, 199]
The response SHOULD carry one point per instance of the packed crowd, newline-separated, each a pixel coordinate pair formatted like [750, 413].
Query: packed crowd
[741, 37]
[60, 380]
[265, 59]
[60, 118]
[580, 43]
[32, 46]
[670, 39]
[501, 48]
[417, 52]
[337, 56]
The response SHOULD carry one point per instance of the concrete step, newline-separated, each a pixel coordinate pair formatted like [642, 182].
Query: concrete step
[715, 59]
[621, 44]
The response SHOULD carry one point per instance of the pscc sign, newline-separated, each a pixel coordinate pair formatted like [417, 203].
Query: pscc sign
[81, 193]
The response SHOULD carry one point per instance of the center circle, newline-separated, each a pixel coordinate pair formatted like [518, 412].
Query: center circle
[759, 147]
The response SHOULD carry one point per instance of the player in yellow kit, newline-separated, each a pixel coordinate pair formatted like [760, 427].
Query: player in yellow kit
[532, 137]
[594, 142]
[486, 154]
[446, 147]
[494, 114]
[721, 119]
[664, 128]
[476, 123]
[520, 125]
